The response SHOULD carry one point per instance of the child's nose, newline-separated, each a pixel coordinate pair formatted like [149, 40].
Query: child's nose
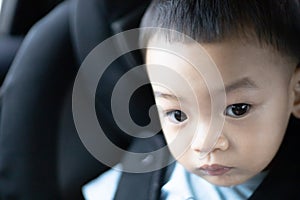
[199, 146]
[222, 143]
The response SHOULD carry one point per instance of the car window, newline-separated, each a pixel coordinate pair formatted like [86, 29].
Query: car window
[0, 6]
[7, 12]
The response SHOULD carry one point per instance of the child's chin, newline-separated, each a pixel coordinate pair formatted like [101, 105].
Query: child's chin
[225, 181]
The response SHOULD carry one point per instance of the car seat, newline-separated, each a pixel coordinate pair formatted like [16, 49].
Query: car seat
[41, 155]
[8, 49]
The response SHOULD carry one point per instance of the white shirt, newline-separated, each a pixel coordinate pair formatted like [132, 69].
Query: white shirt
[182, 185]
[104, 187]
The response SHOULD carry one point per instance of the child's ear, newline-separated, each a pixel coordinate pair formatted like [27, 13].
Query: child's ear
[296, 107]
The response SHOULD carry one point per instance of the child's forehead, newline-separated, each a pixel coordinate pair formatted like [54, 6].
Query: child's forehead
[229, 50]
[163, 37]
[233, 58]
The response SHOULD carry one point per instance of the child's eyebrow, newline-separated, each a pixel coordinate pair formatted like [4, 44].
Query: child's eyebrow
[245, 82]
[159, 94]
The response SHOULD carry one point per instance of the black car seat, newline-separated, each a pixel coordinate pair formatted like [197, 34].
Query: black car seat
[41, 155]
[9, 46]
[16, 18]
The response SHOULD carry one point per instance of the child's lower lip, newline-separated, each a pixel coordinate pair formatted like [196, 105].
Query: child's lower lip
[215, 170]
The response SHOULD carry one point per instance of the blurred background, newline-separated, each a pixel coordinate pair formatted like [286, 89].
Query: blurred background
[42, 45]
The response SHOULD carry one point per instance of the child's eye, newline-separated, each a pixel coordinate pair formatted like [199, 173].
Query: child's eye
[237, 110]
[176, 116]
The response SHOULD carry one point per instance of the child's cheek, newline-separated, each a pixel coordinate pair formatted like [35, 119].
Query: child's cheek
[178, 139]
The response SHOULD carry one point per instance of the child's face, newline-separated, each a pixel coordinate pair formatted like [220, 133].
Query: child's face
[259, 100]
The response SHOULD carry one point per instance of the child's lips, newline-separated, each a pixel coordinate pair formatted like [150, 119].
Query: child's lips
[215, 169]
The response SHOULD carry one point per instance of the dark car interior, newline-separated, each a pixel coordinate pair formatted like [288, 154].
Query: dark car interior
[16, 18]
[42, 48]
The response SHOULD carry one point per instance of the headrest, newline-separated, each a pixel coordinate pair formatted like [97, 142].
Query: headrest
[93, 21]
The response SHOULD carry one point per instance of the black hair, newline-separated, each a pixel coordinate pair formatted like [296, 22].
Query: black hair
[272, 22]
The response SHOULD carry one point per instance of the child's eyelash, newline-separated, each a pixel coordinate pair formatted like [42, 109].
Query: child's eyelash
[176, 116]
[237, 110]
